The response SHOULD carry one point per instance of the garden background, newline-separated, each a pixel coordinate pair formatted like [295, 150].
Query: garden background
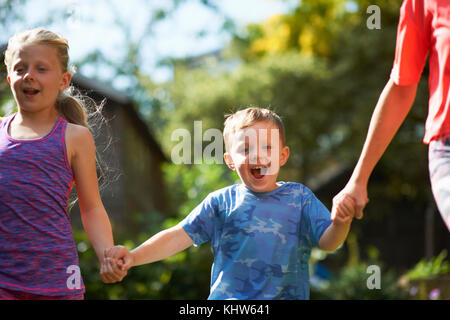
[319, 66]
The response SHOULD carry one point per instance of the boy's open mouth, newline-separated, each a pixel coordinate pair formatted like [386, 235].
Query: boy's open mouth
[258, 172]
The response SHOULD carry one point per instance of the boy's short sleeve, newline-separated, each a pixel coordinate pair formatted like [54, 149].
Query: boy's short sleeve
[199, 224]
[412, 43]
[317, 217]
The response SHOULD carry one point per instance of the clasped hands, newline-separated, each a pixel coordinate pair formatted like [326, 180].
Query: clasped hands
[116, 262]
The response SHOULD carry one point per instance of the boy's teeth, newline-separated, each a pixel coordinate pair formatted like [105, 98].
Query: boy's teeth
[30, 90]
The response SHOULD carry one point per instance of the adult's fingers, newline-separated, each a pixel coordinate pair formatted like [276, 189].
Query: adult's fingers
[359, 209]
[359, 212]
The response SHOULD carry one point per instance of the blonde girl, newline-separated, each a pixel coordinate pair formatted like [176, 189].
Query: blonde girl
[45, 149]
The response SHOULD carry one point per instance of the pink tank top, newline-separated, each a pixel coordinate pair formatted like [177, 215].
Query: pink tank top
[37, 248]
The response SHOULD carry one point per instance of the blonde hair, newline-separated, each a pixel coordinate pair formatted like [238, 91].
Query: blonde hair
[249, 116]
[70, 103]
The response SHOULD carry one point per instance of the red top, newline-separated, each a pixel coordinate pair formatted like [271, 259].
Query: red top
[424, 28]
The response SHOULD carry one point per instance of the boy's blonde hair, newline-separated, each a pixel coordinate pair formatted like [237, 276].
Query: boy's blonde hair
[247, 117]
[69, 103]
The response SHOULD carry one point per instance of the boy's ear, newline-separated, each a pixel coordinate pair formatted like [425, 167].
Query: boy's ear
[284, 155]
[229, 161]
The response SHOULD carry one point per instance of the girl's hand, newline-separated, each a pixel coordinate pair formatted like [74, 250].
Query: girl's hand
[110, 272]
[123, 258]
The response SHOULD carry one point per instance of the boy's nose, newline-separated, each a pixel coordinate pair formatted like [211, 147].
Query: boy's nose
[253, 157]
[29, 75]
[259, 157]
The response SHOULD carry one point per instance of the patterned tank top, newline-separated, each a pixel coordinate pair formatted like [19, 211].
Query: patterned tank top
[37, 248]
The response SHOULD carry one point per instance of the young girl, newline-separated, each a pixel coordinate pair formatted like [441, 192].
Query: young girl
[44, 148]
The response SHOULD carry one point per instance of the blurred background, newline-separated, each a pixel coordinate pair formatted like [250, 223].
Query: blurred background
[161, 65]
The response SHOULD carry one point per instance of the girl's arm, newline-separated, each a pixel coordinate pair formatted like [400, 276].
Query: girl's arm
[159, 247]
[81, 154]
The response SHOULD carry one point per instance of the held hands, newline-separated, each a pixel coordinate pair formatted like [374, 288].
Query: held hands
[343, 209]
[117, 260]
[357, 193]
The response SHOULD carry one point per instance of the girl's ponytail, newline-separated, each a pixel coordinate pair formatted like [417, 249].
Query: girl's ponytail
[71, 107]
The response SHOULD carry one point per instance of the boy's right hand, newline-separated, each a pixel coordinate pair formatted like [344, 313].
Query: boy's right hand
[344, 209]
[121, 255]
[357, 192]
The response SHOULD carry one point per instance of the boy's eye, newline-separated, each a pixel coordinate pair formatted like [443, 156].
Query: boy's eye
[243, 150]
[41, 69]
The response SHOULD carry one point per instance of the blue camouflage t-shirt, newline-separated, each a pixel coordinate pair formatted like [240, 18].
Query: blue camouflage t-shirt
[261, 241]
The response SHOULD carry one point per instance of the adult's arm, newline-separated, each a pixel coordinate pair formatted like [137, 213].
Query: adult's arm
[393, 105]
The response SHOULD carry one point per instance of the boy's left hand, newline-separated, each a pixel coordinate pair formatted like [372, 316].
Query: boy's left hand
[344, 211]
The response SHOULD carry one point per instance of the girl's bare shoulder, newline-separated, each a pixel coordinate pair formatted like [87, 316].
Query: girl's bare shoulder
[79, 143]
[79, 138]
[77, 132]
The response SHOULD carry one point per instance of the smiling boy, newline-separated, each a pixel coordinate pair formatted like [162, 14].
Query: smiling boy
[261, 231]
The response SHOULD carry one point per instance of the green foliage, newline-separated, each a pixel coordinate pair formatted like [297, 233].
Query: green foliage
[7, 106]
[428, 279]
[351, 284]
[190, 184]
[350, 281]
[426, 269]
